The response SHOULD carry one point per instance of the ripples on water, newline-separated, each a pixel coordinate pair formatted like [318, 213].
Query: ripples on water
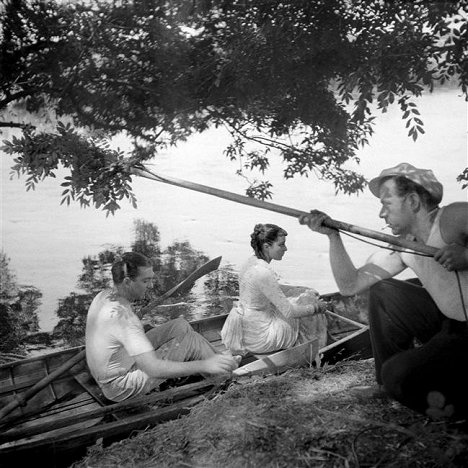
[196, 309]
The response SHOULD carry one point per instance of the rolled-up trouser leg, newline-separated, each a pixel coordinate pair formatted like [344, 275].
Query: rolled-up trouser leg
[176, 340]
[436, 366]
[399, 312]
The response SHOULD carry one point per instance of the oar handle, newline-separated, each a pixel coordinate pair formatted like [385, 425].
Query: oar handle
[21, 400]
[407, 244]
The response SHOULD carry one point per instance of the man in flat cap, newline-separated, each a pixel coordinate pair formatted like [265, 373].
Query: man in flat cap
[419, 332]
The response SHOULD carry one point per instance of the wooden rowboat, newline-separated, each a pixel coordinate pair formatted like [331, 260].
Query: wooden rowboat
[61, 412]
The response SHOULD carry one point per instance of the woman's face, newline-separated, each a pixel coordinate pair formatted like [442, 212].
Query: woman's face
[276, 250]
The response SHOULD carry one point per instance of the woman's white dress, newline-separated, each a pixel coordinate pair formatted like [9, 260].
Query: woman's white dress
[263, 321]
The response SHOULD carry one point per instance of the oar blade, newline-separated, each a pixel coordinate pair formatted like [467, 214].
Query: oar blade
[187, 283]
[301, 355]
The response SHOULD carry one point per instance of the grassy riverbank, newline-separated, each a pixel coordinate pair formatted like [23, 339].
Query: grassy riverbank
[302, 418]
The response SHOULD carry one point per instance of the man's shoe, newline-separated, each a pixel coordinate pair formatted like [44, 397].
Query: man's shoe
[437, 407]
[369, 392]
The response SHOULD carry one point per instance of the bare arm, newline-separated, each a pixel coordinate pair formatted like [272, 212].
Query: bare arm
[349, 279]
[454, 231]
[352, 280]
[155, 367]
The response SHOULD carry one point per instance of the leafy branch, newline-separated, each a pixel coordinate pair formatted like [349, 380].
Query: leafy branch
[98, 174]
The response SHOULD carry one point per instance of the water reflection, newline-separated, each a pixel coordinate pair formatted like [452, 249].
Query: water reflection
[194, 309]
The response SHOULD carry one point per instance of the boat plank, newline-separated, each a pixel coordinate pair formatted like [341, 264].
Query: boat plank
[70, 441]
[304, 354]
[354, 346]
[50, 357]
[155, 398]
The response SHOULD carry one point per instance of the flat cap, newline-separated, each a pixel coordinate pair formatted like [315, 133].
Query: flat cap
[423, 177]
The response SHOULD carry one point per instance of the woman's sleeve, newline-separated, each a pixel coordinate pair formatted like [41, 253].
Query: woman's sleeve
[268, 284]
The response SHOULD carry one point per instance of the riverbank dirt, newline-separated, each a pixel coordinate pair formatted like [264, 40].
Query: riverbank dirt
[302, 418]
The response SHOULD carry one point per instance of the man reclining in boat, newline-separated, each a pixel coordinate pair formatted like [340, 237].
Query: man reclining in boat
[127, 362]
[264, 319]
[427, 378]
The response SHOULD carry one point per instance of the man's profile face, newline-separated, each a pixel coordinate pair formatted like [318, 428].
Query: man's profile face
[142, 282]
[394, 208]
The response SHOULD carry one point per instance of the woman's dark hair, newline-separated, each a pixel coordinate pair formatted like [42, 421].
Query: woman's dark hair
[405, 186]
[127, 266]
[264, 234]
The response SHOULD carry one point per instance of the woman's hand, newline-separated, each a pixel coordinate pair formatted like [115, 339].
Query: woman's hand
[321, 306]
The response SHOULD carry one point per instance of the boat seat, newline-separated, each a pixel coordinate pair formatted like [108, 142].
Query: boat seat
[87, 382]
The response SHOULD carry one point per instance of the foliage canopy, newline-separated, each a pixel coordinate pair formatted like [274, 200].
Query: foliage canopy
[293, 78]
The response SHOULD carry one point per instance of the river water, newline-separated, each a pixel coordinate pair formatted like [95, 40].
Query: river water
[46, 241]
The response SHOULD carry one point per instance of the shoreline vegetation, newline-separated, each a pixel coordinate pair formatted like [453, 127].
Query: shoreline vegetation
[304, 417]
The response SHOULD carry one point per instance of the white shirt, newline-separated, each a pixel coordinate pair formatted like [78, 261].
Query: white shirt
[114, 334]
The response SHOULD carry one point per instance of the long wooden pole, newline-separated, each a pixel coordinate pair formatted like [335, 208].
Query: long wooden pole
[415, 246]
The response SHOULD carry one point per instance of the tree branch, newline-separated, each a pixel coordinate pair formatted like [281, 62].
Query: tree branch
[263, 140]
[15, 125]
[14, 97]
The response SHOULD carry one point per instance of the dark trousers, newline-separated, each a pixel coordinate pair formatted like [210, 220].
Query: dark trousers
[402, 314]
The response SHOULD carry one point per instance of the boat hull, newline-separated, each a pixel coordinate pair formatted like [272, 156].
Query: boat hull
[70, 413]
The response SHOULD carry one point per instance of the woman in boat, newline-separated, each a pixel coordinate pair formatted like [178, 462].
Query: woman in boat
[264, 319]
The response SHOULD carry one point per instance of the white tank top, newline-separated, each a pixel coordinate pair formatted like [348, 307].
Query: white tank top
[441, 284]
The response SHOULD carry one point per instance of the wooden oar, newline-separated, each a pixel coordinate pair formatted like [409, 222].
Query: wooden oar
[21, 400]
[299, 355]
[207, 267]
[415, 246]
